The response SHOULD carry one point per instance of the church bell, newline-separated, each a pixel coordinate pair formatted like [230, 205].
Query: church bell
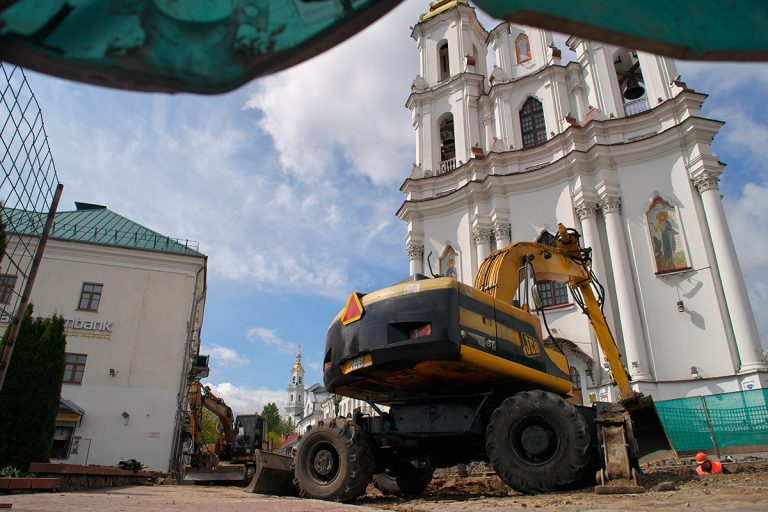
[634, 90]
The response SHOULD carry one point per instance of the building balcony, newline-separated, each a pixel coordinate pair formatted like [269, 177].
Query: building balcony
[636, 106]
[447, 166]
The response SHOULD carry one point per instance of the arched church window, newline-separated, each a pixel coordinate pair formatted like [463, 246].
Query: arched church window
[631, 81]
[575, 378]
[532, 123]
[443, 61]
[522, 48]
[293, 380]
[447, 144]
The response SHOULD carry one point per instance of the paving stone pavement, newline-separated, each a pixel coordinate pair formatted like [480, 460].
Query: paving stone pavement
[168, 499]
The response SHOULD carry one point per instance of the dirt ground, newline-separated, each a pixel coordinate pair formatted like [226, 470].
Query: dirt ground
[666, 488]
[745, 490]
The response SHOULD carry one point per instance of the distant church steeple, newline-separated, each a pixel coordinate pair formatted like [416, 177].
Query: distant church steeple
[295, 407]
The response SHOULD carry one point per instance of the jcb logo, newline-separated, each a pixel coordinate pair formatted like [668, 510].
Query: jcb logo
[531, 347]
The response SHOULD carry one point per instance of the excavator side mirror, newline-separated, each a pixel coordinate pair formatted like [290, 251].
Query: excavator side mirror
[536, 297]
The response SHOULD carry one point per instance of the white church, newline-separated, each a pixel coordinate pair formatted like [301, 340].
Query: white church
[613, 144]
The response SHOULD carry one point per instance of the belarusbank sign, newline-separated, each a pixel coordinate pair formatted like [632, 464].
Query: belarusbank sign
[103, 326]
[88, 325]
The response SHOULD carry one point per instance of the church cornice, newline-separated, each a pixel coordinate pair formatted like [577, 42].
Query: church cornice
[631, 133]
[477, 179]
[447, 87]
[499, 86]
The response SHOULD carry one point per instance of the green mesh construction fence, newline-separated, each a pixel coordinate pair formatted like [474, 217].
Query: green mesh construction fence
[726, 420]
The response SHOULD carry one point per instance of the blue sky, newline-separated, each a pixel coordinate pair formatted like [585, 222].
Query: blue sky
[290, 185]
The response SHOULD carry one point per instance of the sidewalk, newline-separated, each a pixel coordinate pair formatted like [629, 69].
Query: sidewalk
[170, 498]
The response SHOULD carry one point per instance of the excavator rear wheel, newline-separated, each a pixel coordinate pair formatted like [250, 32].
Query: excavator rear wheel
[537, 442]
[334, 461]
[406, 478]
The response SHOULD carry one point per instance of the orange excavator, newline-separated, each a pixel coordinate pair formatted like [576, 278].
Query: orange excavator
[238, 440]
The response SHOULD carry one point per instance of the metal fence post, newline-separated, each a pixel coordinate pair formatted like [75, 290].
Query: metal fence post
[709, 426]
[5, 360]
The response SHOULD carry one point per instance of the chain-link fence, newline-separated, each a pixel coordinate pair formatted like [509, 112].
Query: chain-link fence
[709, 423]
[30, 189]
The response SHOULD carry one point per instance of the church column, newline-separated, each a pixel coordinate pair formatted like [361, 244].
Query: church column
[415, 257]
[502, 232]
[578, 96]
[631, 326]
[587, 212]
[734, 288]
[482, 237]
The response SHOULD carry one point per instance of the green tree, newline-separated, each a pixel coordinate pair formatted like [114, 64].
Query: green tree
[29, 400]
[275, 424]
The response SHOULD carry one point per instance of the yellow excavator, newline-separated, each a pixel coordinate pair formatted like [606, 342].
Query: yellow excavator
[239, 440]
[466, 376]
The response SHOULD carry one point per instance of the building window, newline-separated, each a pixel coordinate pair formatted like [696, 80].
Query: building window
[522, 48]
[74, 368]
[552, 293]
[90, 296]
[575, 378]
[532, 123]
[447, 145]
[7, 284]
[442, 55]
[62, 439]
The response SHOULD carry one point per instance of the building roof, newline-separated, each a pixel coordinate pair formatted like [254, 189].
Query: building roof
[97, 224]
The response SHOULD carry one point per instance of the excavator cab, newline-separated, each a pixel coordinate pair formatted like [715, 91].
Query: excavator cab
[250, 435]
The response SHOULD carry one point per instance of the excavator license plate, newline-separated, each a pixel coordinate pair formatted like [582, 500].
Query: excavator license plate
[356, 363]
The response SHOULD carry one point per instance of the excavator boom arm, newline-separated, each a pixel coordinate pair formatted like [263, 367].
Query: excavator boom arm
[500, 274]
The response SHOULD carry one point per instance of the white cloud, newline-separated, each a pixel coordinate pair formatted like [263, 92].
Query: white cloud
[270, 338]
[722, 78]
[224, 356]
[347, 105]
[245, 400]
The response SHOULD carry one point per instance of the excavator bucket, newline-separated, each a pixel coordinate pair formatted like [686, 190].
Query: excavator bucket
[219, 473]
[273, 475]
[652, 440]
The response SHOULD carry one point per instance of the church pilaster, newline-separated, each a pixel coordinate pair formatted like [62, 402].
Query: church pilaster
[629, 313]
[731, 277]
[415, 250]
[482, 237]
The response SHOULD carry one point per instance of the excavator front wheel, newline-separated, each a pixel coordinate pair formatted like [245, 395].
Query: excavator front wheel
[536, 442]
[334, 461]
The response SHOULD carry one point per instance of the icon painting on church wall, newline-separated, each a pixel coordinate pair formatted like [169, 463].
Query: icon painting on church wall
[666, 236]
[449, 263]
[522, 48]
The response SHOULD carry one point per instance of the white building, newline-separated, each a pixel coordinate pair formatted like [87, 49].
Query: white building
[307, 405]
[504, 154]
[314, 397]
[133, 302]
[295, 408]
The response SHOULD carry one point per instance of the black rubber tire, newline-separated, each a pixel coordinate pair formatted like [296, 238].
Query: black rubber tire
[334, 461]
[537, 442]
[408, 478]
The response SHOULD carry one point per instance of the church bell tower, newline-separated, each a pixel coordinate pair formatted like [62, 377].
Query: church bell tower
[295, 407]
